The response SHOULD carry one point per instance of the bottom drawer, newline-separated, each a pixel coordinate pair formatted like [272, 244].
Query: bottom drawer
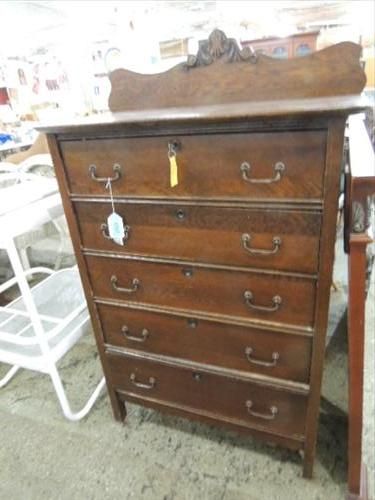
[247, 403]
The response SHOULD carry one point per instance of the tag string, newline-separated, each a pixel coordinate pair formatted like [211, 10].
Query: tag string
[109, 186]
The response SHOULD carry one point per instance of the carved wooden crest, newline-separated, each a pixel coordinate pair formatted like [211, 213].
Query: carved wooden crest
[334, 71]
[218, 46]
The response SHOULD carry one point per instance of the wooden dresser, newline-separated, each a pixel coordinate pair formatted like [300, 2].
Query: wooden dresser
[215, 307]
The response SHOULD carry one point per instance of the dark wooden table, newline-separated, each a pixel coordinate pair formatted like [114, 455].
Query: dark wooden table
[360, 193]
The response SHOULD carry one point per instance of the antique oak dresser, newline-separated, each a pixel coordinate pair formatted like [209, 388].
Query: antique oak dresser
[209, 299]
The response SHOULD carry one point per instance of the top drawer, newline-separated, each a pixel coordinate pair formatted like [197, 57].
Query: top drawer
[275, 165]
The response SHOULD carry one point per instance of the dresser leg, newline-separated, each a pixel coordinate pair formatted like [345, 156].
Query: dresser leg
[118, 406]
[308, 462]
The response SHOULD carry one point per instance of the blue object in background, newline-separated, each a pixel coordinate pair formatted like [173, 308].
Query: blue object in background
[5, 138]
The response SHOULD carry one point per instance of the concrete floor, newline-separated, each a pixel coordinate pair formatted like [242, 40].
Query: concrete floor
[159, 457]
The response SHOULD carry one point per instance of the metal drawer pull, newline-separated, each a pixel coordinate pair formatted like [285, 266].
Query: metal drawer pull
[275, 357]
[276, 300]
[144, 334]
[151, 382]
[259, 251]
[116, 170]
[104, 230]
[134, 288]
[245, 167]
[266, 416]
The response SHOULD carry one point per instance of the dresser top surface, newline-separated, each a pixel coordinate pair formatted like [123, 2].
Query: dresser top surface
[230, 112]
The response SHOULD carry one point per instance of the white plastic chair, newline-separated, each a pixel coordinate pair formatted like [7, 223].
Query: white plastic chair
[38, 328]
[41, 164]
[9, 176]
[7, 167]
[37, 165]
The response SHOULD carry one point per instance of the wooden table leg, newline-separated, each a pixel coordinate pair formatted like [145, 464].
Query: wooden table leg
[356, 337]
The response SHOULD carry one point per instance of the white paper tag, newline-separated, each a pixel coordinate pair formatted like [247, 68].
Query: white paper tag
[116, 228]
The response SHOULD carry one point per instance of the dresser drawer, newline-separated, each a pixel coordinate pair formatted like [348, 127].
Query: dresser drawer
[251, 295]
[273, 239]
[239, 400]
[254, 165]
[249, 349]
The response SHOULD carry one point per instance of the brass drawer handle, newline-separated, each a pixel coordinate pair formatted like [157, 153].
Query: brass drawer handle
[134, 288]
[265, 416]
[276, 300]
[104, 230]
[116, 170]
[276, 240]
[151, 382]
[245, 167]
[144, 334]
[275, 357]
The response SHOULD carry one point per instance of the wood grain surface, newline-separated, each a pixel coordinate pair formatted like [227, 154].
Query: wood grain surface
[208, 342]
[332, 71]
[208, 234]
[208, 165]
[203, 390]
[210, 290]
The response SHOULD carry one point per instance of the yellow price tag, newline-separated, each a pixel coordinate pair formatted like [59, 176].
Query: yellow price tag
[173, 170]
